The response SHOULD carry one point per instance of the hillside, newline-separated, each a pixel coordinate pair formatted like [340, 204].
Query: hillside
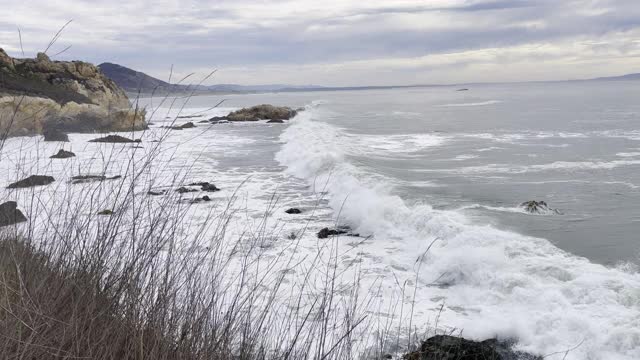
[132, 80]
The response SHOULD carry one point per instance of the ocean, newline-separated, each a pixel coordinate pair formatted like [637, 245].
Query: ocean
[432, 180]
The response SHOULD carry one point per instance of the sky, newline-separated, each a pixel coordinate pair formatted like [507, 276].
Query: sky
[337, 42]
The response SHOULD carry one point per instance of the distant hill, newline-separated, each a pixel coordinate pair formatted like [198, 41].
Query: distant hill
[134, 81]
[619, 78]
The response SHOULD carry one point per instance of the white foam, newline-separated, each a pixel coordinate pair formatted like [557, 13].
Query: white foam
[493, 282]
[481, 103]
[554, 166]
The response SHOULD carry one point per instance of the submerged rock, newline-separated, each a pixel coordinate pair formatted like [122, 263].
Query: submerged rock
[62, 154]
[156, 193]
[262, 112]
[114, 139]
[538, 207]
[183, 190]
[188, 125]
[294, 211]
[205, 186]
[326, 232]
[33, 180]
[445, 347]
[9, 214]
[55, 135]
[106, 212]
[201, 199]
[81, 179]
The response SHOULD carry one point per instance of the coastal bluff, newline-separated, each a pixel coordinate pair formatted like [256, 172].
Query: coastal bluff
[40, 95]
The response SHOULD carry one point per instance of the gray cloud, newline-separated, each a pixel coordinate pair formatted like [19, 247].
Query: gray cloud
[337, 42]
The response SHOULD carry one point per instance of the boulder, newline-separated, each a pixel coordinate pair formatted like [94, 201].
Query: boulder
[262, 112]
[33, 180]
[72, 94]
[9, 214]
[62, 154]
[115, 139]
[106, 212]
[275, 121]
[294, 211]
[445, 347]
[156, 193]
[52, 134]
[326, 232]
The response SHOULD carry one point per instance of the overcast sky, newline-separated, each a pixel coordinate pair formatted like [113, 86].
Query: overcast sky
[338, 42]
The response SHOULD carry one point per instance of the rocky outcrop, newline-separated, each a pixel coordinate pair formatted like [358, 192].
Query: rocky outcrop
[39, 94]
[258, 112]
[33, 180]
[9, 214]
[62, 154]
[444, 347]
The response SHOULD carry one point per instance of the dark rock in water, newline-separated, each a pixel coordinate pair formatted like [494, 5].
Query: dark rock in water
[218, 118]
[276, 121]
[198, 200]
[205, 186]
[33, 180]
[55, 135]
[203, 121]
[81, 179]
[538, 207]
[105, 212]
[444, 347]
[115, 139]
[188, 125]
[9, 214]
[464, 89]
[156, 193]
[262, 112]
[293, 211]
[62, 154]
[182, 190]
[326, 232]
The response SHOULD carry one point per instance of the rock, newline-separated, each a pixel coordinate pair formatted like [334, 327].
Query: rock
[33, 180]
[188, 125]
[55, 135]
[445, 347]
[106, 212]
[326, 232]
[62, 154]
[115, 139]
[294, 211]
[156, 193]
[9, 213]
[464, 89]
[198, 200]
[262, 112]
[218, 118]
[538, 207]
[183, 190]
[81, 179]
[276, 121]
[73, 93]
[205, 186]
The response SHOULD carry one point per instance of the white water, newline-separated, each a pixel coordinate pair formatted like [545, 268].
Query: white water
[491, 282]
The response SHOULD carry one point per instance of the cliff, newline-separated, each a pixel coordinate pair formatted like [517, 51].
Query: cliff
[38, 94]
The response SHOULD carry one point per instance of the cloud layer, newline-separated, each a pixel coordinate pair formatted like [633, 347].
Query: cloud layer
[339, 42]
